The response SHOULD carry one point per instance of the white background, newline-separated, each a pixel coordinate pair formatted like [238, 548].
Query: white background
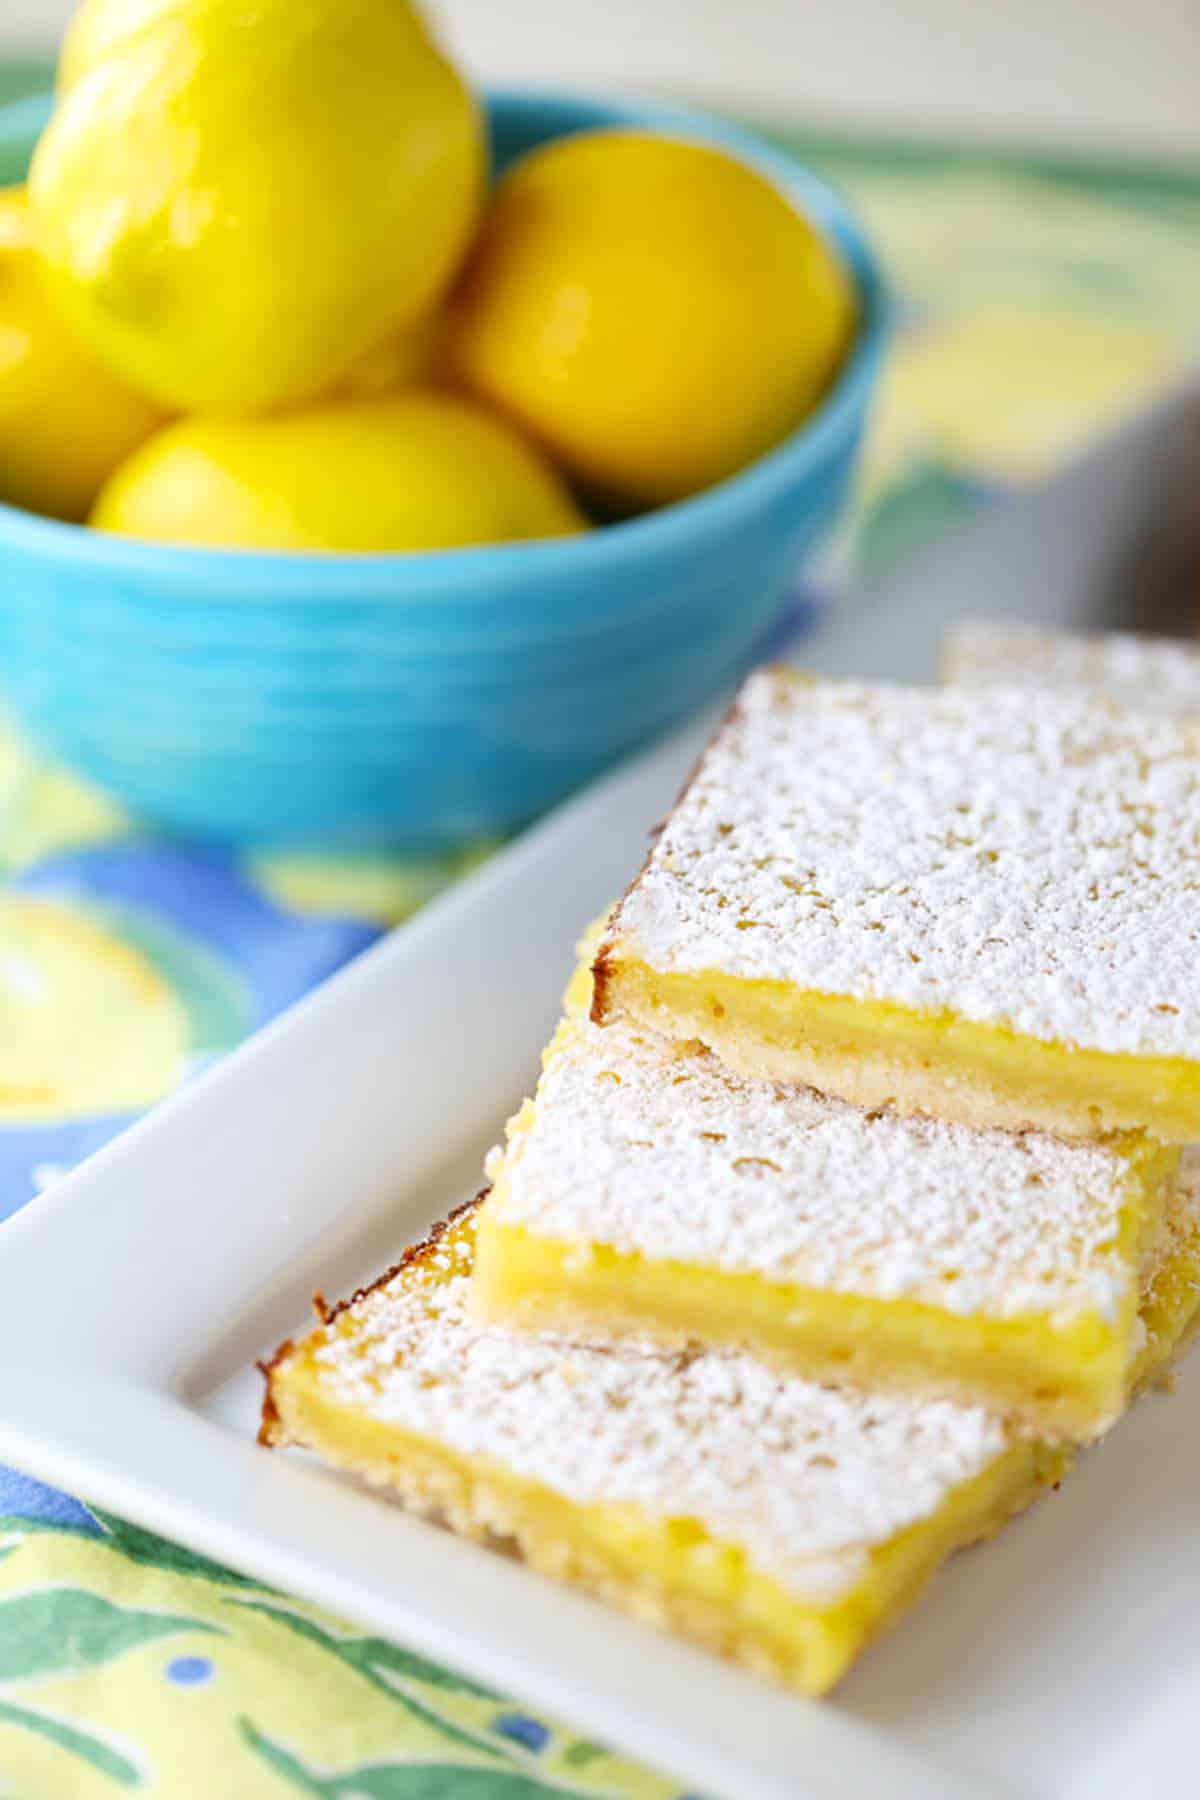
[1089, 72]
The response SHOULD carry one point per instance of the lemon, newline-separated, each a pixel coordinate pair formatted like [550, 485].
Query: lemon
[653, 310]
[65, 421]
[416, 471]
[238, 202]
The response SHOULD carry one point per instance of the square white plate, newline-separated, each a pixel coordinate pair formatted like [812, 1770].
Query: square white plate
[1064, 1661]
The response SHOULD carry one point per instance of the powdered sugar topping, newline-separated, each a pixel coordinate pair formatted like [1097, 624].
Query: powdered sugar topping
[1023, 860]
[1155, 674]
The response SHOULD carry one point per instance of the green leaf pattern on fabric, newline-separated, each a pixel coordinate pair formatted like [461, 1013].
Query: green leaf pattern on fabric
[155, 1552]
[81, 1744]
[384, 1666]
[374, 1657]
[57, 1629]
[405, 1780]
[211, 1686]
[52, 1631]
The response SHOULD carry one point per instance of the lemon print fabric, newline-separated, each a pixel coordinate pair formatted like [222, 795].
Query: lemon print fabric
[45, 809]
[87, 1022]
[414, 471]
[126, 968]
[236, 203]
[1008, 393]
[653, 310]
[1037, 306]
[363, 884]
[128, 1665]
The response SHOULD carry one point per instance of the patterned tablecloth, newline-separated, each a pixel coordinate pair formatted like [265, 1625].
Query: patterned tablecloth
[1039, 303]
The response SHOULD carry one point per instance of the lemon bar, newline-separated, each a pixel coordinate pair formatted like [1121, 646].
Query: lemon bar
[976, 904]
[646, 1188]
[1158, 674]
[767, 1518]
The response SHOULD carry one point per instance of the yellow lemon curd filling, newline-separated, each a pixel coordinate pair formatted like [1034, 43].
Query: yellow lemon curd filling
[667, 1569]
[881, 1053]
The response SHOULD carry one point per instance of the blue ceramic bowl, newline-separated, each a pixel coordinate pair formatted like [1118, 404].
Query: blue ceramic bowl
[419, 699]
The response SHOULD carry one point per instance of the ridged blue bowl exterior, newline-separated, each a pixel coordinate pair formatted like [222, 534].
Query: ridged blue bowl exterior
[419, 699]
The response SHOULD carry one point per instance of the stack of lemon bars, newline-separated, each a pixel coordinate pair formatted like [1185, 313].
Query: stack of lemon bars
[854, 1196]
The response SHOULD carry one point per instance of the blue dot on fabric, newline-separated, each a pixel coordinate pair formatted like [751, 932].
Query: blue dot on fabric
[189, 1671]
[522, 1730]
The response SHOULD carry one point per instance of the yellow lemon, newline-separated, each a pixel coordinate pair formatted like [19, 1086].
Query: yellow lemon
[416, 471]
[656, 312]
[65, 420]
[238, 202]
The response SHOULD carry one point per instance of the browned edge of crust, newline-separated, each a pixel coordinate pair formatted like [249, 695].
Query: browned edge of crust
[602, 966]
[601, 971]
[269, 1429]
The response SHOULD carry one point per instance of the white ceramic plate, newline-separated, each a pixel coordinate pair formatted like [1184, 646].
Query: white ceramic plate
[1063, 1661]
